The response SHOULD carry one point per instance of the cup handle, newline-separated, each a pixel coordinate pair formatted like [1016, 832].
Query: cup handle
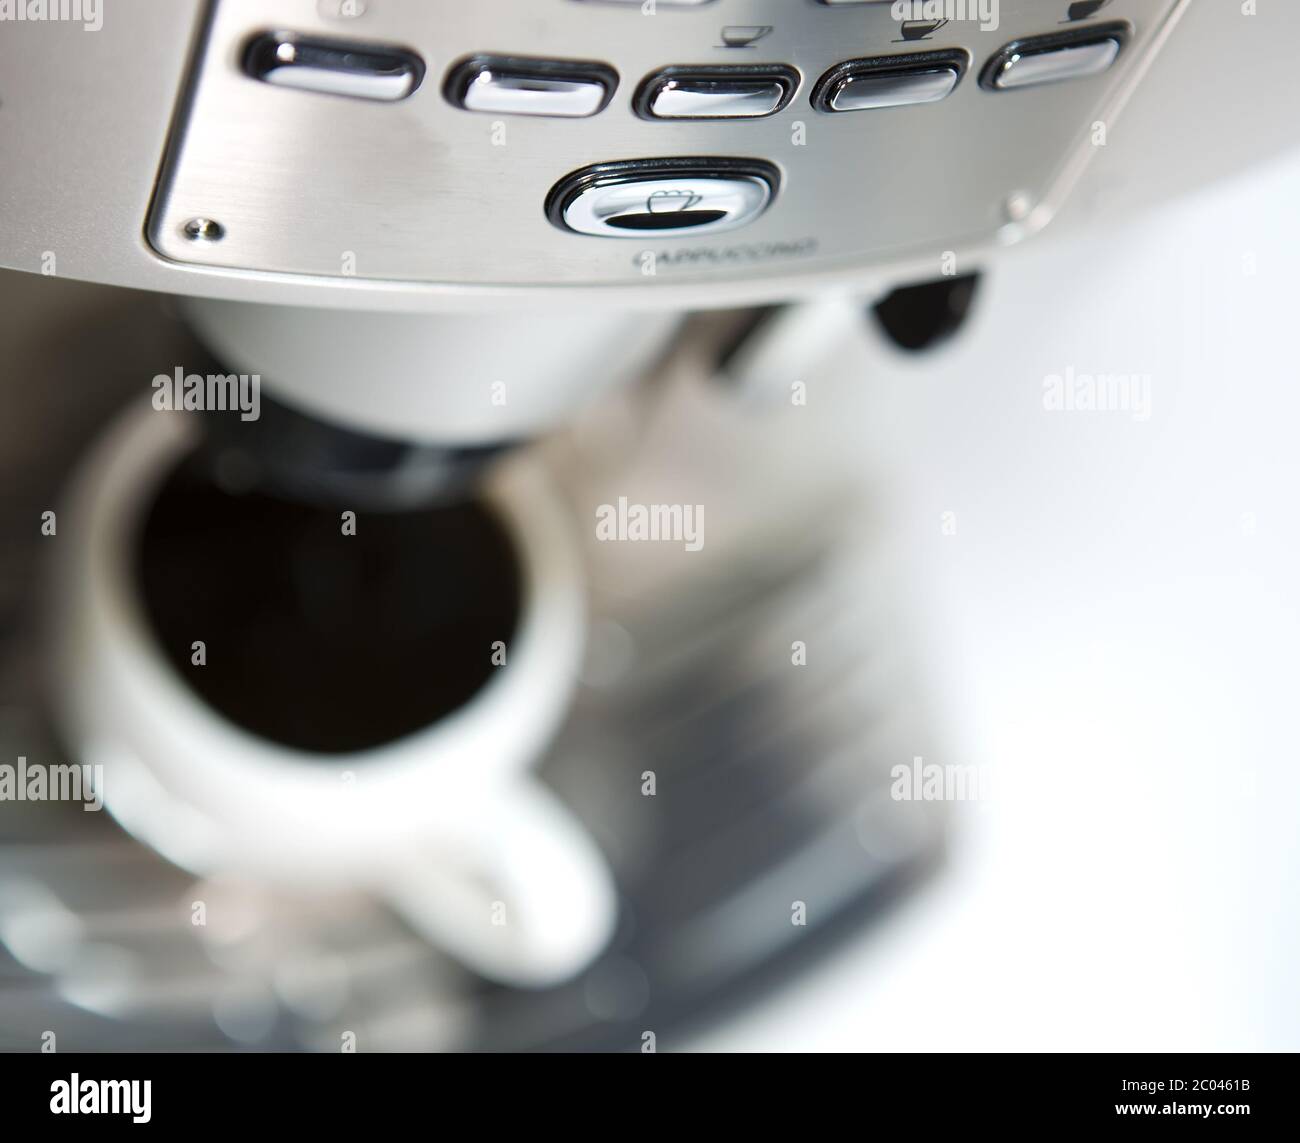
[514, 888]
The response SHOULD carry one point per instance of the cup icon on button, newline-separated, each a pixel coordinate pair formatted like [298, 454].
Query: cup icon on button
[670, 201]
[1082, 9]
[921, 29]
[744, 35]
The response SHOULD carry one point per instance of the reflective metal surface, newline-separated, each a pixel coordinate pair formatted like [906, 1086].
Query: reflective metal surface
[862, 92]
[83, 161]
[454, 198]
[518, 95]
[1033, 68]
[666, 205]
[702, 99]
[334, 67]
[722, 93]
[566, 90]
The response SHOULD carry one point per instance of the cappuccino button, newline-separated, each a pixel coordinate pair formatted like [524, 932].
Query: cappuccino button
[662, 199]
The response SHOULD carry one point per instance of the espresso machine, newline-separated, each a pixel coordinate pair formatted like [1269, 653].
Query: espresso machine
[437, 505]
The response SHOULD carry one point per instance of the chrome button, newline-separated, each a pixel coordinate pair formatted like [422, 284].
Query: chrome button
[869, 91]
[1065, 63]
[333, 67]
[504, 85]
[889, 81]
[716, 92]
[1052, 59]
[708, 99]
[662, 199]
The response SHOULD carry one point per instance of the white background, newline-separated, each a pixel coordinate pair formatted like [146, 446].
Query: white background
[1114, 630]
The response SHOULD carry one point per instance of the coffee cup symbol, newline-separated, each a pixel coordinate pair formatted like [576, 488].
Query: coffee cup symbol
[744, 35]
[1082, 9]
[920, 29]
[670, 201]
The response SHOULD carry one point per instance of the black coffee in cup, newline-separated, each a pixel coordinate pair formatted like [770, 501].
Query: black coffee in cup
[316, 635]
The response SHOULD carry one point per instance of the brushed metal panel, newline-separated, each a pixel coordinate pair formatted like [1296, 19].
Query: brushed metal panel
[321, 185]
[83, 156]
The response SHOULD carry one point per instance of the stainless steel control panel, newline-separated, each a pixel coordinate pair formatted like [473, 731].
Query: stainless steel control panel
[608, 142]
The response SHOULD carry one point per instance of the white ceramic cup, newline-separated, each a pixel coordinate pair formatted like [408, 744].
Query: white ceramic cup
[449, 823]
